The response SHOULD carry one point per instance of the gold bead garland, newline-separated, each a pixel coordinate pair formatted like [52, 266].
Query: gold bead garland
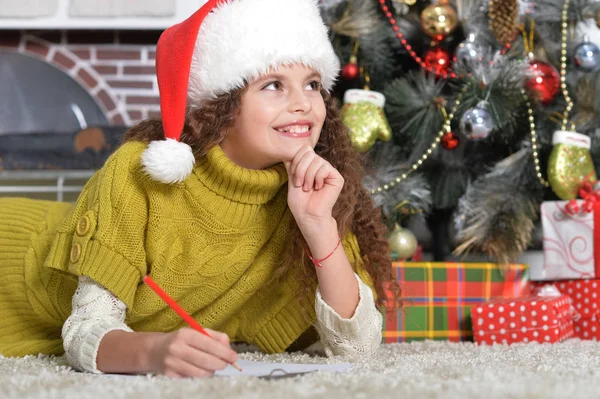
[563, 65]
[534, 145]
[565, 92]
[446, 127]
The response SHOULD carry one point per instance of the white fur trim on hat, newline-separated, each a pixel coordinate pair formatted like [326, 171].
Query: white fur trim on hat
[242, 39]
[168, 161]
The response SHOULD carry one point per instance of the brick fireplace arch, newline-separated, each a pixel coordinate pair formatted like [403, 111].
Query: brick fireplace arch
[118, 74]
[69, 63]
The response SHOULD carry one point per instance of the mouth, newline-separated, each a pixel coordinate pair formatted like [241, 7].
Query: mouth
[296, 129]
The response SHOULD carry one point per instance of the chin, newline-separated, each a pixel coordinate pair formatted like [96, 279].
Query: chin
[292, 149]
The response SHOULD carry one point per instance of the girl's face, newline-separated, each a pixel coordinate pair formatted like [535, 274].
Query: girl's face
[280, 112]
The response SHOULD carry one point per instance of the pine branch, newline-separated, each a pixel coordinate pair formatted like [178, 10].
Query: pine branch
[377, 54]
[383, 168]
[412, 108]
[551, 10]
[497, 213]
[544, 11]
[448, 180]
[467, 10]
[414, 190]
[352, 18]
[584, 98]
[331, 10]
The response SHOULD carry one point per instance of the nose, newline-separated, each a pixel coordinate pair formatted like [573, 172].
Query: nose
[299, 101]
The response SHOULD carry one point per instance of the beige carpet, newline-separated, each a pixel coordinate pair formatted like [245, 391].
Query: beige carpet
[418, 370]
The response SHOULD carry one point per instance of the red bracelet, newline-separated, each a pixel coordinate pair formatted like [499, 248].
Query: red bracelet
[317, 262]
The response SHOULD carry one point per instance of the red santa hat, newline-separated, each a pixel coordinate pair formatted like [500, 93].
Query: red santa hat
[221, 47]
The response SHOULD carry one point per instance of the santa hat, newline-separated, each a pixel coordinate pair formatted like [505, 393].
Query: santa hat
[225, 44]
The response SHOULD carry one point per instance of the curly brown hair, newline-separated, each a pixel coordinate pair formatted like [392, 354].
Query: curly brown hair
[207, 126]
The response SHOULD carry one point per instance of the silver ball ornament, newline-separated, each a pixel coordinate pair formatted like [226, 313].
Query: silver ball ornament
[477, 123]
[586, 56]
[468, 53]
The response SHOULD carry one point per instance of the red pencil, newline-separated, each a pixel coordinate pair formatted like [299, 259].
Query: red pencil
[179, 310]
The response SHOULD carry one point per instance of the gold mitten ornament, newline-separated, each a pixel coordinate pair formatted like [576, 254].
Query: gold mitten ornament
[363, 115]
[570, 164]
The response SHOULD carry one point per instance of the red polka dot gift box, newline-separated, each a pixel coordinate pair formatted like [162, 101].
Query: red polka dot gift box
[585, 295]
[529, 319]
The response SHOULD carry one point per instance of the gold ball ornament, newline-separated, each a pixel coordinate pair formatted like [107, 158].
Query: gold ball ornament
[403, 242]
[439, 20]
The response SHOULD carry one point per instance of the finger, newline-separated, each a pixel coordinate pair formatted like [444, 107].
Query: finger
[219, 336]
[321, 175]
[186, 369]
[172, 374]
[303, 165]
[203, 360]
[311, 172]
[298, 158]
[210, 345]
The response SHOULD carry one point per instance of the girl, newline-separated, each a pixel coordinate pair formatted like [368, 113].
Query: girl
[244, 203]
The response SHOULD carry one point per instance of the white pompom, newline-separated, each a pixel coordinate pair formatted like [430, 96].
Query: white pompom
[168, 161]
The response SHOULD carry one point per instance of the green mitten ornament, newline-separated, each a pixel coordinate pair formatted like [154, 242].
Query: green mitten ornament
[363, 115]
[570, 164]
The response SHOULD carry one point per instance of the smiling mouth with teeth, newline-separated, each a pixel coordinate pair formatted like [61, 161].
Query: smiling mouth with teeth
[294, 129]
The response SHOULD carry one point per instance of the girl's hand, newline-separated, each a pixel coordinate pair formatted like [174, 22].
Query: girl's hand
[313, 188]
[188, 353]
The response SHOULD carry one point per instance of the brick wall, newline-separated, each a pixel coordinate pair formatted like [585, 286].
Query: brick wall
[116, 67]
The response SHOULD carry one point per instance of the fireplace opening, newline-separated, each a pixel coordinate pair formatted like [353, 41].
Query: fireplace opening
[53, 133]
[37, 97]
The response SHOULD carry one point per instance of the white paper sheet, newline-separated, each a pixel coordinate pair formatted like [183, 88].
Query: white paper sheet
[264, 369]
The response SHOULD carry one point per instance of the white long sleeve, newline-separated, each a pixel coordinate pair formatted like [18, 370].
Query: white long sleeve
[96, 311]
[357, 337]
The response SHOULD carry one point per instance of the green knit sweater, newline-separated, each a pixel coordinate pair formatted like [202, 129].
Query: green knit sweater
[211, 242]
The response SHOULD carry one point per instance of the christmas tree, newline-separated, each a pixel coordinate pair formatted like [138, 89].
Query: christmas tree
[471, 112]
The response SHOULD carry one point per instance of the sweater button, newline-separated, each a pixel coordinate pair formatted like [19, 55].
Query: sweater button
[83, 226]
[75, 252]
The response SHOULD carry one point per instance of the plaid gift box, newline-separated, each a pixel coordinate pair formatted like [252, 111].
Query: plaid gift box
[585, 295]
[531, 319]
[438, 297]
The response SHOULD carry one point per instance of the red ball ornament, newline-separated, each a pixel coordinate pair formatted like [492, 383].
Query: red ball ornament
[437, 59]
[450, 141]
[545, 81]
[351, 70]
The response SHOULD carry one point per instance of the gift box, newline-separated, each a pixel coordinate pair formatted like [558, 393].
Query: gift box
[532, 319]
[569, 237]
[438, 297]
[585, 295]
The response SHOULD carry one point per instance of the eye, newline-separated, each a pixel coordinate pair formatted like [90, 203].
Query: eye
[276, 85]
[315, 85]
